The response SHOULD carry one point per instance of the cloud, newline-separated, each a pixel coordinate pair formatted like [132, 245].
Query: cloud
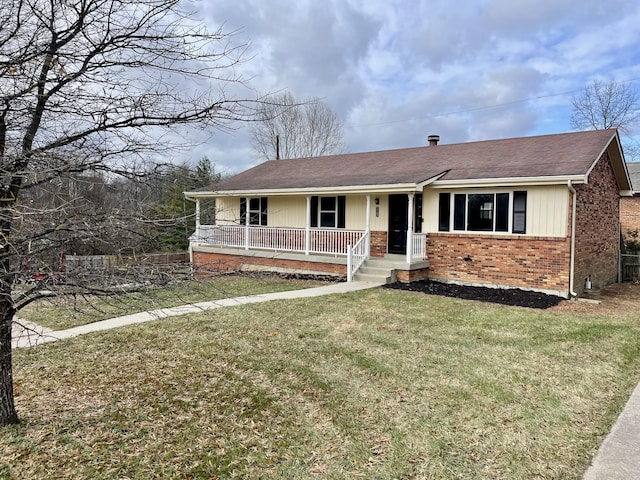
[396, 71]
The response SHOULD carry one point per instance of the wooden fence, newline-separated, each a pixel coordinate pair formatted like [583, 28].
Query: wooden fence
[630, 267]
[112, 261]
[133, 267]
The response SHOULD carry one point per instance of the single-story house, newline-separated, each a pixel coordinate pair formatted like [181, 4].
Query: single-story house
[630, 205]
[539, 213]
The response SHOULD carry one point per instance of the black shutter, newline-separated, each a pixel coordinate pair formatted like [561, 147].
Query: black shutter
[314, 211]
[243, 210]
[263, 211]
[502, 212]
[519, 212]
[342, 202]
[417, 213]
[444, 213]
[459, 206]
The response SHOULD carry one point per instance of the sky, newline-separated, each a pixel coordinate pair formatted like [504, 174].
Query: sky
[396, 71]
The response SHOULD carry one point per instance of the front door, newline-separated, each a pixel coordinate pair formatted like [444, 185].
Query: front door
[398, 212]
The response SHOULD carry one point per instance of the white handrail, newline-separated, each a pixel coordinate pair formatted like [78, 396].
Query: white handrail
[356, 256]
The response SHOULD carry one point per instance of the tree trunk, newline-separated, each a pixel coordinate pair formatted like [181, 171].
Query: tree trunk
[8, 413]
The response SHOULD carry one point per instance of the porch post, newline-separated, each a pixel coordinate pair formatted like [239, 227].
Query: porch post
[307, 230]
[410, 228]
[368, 227]
[246, 226]
[197, 218]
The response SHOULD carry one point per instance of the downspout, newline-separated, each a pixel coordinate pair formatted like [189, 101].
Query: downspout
[573, 239]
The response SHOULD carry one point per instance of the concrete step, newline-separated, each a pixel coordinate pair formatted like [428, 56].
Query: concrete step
[364, 277]
[373, 270]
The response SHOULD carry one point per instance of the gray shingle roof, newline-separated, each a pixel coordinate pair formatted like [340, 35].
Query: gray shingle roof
[566, 154]
[634, 175]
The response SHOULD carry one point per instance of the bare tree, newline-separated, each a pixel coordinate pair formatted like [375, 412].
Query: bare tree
[288, 128]
[94, 85]
[606, 105]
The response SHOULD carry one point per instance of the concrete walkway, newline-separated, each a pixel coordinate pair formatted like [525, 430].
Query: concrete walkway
[28, 334]
[617, 459]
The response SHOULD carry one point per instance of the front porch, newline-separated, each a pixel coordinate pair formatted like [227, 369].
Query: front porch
[309, 248]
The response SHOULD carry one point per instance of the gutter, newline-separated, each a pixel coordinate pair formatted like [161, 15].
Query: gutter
[343, 190]
[572, 267]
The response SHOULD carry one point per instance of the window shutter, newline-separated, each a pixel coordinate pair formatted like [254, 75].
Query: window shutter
[342, 202]
[314, 211]
[459, 201]
[444, 212]
[417, 213]
[243, 211]
[519, 212]
[502, 212]
[263, 211]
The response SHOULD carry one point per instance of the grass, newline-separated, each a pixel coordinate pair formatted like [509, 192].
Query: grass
[60, 313]
[376, 384]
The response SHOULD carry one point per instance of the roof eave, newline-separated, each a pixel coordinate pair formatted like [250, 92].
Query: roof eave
[510, 181]
[274, 192]
[406, 187]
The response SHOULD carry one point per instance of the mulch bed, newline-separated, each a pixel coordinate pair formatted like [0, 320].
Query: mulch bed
[511, 296]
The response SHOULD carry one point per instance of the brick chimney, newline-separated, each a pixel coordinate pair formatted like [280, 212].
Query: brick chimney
[433, 140]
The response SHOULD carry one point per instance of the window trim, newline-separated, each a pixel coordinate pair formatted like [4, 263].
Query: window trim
[339, 211]
[261, 213]
[458, 212]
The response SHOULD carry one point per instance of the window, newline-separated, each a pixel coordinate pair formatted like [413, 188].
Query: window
[480, 212]
[483, 212]
[328, 212]
[257, 209]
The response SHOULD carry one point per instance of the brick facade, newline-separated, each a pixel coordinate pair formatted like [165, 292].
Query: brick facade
[540, 263]
[378, 243]
[597, 227]
[629, 214]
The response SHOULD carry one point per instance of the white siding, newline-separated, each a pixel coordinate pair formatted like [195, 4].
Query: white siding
[356, 210]
[547, 208]
[227, 211]
[430, 210]
[287, 212]
[548, 211]
[292, 212]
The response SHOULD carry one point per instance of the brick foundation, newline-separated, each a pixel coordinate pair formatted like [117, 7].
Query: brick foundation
[211, 263]
[539, 263]
[406, 276]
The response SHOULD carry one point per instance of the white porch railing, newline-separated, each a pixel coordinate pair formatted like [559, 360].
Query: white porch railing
[419, 246]
[319, 241]
[323, 241]
[356, 255]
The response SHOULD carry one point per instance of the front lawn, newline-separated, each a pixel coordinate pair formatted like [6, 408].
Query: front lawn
[71, 310]
[373, 384]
